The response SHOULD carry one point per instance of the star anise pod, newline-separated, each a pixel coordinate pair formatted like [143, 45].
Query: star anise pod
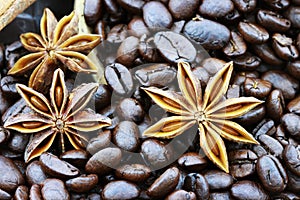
[64, 116]
[211, 112]
[59, 43]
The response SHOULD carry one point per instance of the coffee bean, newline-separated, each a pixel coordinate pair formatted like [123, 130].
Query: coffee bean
[156, 15]
[4, 195]
[56, 167]
[35, 192]
[128, 51]
[275, 105]
[233, 92]
[293, 69]
[2, 56]
[132, 6]
[201, 73]
[232, 17]
[294, 182]
[54, 189]
[183, 9]
[198, 184]
[253, 33]
[117, 34]
[280, 80]
[245, 6]
[292, 13]
[213, 65]
[192, 161]
[292, 160]
[218, 180]
[277, 5]
[273, 21]
[236, 46]
[13, 52]
[284, 48]
[22, 193]
[257, 88]
[137, 27]
[280, 135]
[119, 78]
[287, 196]
[290, 122]
[178, 26]
[8, 86]
[102, 161]
[215, 8]
[131, 110]
[182, 195]
[240, 77]
[35, 173]
[4, 134]
[120, 190]
[101, 141]
[133, 172]
[83, 183]
[18, 142]
[111, 6]
[219, 196]
[148, 50]
[102, 97]
[265, 127]
[210, 34]
[76, 157]
[241, 190]
[247, 61]
[253, 116]
[174, 47]
[271, 173]
[294, 105]
[266, 54]
[164, 184]
[101, 29]
[92, 11]
[271, 144]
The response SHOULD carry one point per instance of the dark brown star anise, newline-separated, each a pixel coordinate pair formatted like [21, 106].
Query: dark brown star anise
[211, 112]
[59, 43]
[63, 115]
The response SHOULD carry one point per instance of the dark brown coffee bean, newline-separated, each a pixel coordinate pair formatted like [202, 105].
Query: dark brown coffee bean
[253, 116]
[218, 180]
[293, 69]
[182, 195]
[240, 77]
[54, 189]
[215, 8]
[128, 51]
[82, 183]
[137, 27]
[265, 127]
[236, 45]
[101, 141]
[290, 122]
[253, 33]
[103, 161]
[101, 29]
[132, 6]
[35, 173]
[294, 106]
[35, 192]
[247, 61]
[120, 190]
[156, 15]
[131, 110]
[4, 195]
[22, 193]
[210, 34]
[119, 78]
[92, 11]
[213, 65]
[164, 184]
[174, 47]
[257, 88]
[245, 6]
[117, 34]
[287, 196]
[277, 4]
[133, 172]
[4, 134]
[18, 142]
[271, 173]
[11, 176]
[275, 105]
[156, 74]
[266, 54]
[284, 48]
[280, 135]
[219, 196]
[56, 167]
[292, 160]
[111, 6]
[201, 73]
[242, 163]
[232, 17]
[13, 52]
[271, 144]
[282, 81]
[192, 161]
[148, 50]
[102, 97]
[126, 136]
[8, 86]
[183, 9]
[76, 157]
[294, 182]
[273, 21]
[292, 13]
[233, 92]
[198, 184]
[241, 190]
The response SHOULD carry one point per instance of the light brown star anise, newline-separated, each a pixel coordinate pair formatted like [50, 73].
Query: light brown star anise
[211, 112]
[63, 115]
[59, 43]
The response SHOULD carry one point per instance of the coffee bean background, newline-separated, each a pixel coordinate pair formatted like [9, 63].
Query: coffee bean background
[143, 41]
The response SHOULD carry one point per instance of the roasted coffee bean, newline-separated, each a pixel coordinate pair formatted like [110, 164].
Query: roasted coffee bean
[92, 11]
[131, 110]
[11, 176]
[280, 80]
[174, 47]
[82, 183]
[277, 4]
[253, 33]
[271, 145]
[218, 180]
[242, 163]
[76, 157]
[213, 65]
[148, 50]
[240, 77]
[290, 122]
[257, 88]
[245, 6]
[156, 74]
[35, 173]
[253, 116]
[219, 196]
[292, 13]
[18, 142]
[4, 195]
[215, 8]
[101, 29]
[102, 97]
[56, 167]
[22, 193]
[210, 34]
[233, 92]
[103, 161]
[156, 15]
[287, 196]
[241, 190]
[54, 189]
[178, 26]
[236, 45]
[164, 184]
[120, 190]
[133, 172]
[232, 17]
[111, 6]
[280, 135]
[13, 52]
[266, 54]
[265, 127]
[247, 61]
[192, 161]
[198, 184]
[132, 6]
[293, 69]
[294, 182]
[271, 173]
[275, 105]
[201, 73]
[117, 34]
[101, 141]
[35, 192]
[119, 78]
[137, 27]
[4, 134]
[183, 9]
[294, 106]
[8, 86]
[2, 57]
[182, 195]
[126, 136]
[128, 51]
[273, 21]
[291, 156]
[284, 48]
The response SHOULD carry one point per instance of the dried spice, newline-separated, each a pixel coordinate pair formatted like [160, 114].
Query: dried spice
[64, 115]
[210, 111]
[59, 45]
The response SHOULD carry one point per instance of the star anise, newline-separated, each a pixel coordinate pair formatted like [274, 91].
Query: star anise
[59, 43]
[63, 115]
[211, 112]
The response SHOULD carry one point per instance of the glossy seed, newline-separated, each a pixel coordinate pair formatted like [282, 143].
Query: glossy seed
[31, 125]
[38, 103]
[58, 96]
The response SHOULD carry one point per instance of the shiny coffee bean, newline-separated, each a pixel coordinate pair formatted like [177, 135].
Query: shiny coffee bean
[54, 189]
[271, 173]
[232, 17]
[284, 48]
[156, 15]
[218, 180]
[148, 50]
[132, 6]
[22, 193]
[247, 61]
[183, 9]
[292, 13]
[4, 195]
[92, 11]
[128, 51]
[290, 122]
[265, 127]
[294, 105]
[76, 157]
[8, 86]
[102, 97]
[253, 116]
[266, 54]
[198, 184]
[275, 105]
[210, 34]
[294, 182]
[131, 110]
[133, 172]
[219, 196]
[271, 144]
[192, 161]
[253, 33]
[178, 26]
[35, 192]
[241, 190]
[137, 27]
[273, 21]
[245, 6]
[257, 88]
[35, 173]
[240, 77]
[201, 73]
[4, 134]
[101, 29]
[236, 46]
[83, 183]
[120, 190]
[212, 65]
[13, 52]
[281, 136]
[287, 196]
[233, 92]
[101, 141]
[18, 142]
[215, 8]
[291, 156]
[293, 69]
[182, 195]
[117, 34]
[277, 4]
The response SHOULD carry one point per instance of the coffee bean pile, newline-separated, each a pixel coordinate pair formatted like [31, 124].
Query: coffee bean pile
[142, 42]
